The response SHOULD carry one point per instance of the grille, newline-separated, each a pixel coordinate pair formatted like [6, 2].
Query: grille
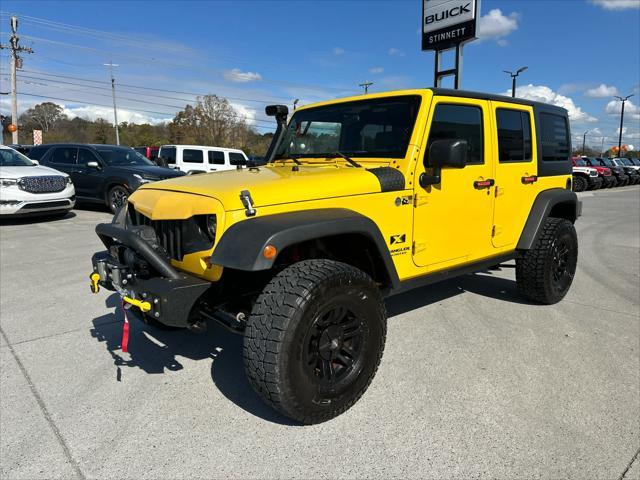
[48, 184]
[168, 232]
[59, 203]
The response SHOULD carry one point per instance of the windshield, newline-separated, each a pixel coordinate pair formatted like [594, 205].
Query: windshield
[380, 127]
[11, 158]
[607, 162]
[123, 157]
[581, 163]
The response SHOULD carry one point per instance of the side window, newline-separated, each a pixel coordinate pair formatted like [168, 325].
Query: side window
[237, 159]
[514, 135]
[85, 156]
[459, 122]
[555, 137]
[169, 154]
[192, 156]
[65, 155]
[216, 157]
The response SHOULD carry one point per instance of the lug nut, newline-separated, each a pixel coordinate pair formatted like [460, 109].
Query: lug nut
[157, 314]
[155, 300]
[144, 295]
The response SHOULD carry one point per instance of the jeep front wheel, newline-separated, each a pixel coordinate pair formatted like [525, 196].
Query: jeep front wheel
[314, 339]
[545, 273]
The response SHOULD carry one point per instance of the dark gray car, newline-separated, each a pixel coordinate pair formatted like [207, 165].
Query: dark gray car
[105, 174]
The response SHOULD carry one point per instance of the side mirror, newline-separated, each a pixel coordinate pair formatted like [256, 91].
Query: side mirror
[444, 153]
[35, 162]
[95, 165]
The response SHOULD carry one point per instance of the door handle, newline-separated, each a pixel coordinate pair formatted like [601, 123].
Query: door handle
[480, 184]
[529, 179]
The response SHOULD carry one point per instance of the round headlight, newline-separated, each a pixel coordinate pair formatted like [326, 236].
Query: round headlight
[212, 223]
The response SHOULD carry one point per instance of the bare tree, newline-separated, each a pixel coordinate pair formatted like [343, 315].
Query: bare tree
[44, 116]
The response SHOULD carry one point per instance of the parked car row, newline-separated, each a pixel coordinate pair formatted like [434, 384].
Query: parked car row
[591, 173]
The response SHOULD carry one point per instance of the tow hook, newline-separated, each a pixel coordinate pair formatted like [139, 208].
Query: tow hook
[142, 305]
[95, 286]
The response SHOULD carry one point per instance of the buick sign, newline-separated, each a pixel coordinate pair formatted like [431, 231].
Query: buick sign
[447, 23]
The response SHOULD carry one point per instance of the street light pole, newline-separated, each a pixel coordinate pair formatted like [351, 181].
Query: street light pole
[366, 86]
[513, 77]
[584, 139]
[623, 100]
[113, 94]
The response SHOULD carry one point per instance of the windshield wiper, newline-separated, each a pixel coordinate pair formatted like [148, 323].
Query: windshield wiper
[285, 158]
[348, 159]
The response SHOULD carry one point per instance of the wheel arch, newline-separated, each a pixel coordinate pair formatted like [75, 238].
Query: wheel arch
[556, 202]
[340, 234]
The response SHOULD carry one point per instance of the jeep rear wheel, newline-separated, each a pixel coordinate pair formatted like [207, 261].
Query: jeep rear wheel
[314, 339]
[545, 273]
[579, 184]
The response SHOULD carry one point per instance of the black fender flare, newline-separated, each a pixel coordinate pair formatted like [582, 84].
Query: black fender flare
[242, 245]
[565, 202]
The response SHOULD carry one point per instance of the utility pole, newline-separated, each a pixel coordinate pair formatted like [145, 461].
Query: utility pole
[602, 147]
[366, 86]
[113, 94]
[16, 62]
[623, 100]
[513, 77]
[584, 139]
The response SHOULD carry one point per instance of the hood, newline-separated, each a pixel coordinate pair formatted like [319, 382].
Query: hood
[34, 171]
[160, 172]
[275, 185]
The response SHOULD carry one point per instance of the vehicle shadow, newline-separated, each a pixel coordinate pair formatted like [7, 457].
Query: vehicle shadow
[38, 218]
[155, 350]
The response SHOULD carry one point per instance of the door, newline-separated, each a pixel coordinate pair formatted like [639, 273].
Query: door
[65, 159]
[90, 179]
[516, 171]
[453, 219]
[216, 160]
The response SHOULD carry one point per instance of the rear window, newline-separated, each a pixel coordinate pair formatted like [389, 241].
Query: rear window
[237, 159]
[216, 157]
[514, 135]
[192, 156]
[169, 154]
[65, 155]
[555, 137]
[36, 153]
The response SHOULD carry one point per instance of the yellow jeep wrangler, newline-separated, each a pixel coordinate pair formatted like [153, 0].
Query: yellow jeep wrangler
[360, 198]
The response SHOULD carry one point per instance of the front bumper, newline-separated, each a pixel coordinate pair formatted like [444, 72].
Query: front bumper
[169, 293]
[14, 201]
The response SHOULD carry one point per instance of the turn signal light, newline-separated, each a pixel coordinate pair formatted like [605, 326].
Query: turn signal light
[269, 252]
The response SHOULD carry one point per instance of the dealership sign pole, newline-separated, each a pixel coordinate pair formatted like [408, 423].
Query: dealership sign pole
[446, 25]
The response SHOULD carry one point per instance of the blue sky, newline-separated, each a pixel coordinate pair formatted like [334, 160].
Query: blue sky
[579, 53]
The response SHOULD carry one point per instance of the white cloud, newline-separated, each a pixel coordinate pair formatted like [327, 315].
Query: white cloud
[601, 91]
[614, 107]
[339, 51]
[626, 135]
[247, 114]
[395, 52]
[91, 112]
[542, 93]
[617, 4]
[236, 75]
[497, 26]
[376, 70]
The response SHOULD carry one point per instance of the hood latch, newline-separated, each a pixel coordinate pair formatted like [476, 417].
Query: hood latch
[247, 201]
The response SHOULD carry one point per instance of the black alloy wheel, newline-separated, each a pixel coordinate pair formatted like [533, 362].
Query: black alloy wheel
[117, 197]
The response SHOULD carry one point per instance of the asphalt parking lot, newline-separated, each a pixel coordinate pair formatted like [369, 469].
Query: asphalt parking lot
[474, 381]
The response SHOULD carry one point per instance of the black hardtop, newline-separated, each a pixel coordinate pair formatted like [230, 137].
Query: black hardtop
[498, 98]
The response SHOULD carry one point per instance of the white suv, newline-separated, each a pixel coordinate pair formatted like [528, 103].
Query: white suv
[27, 188]
[199, 159]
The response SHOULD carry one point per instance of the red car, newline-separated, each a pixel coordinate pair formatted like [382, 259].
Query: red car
[150, 152]
[608, 180]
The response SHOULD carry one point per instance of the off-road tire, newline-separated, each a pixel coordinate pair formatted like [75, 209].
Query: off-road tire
[116, 190]
[536, 269]
[275, 341]
[580, 184]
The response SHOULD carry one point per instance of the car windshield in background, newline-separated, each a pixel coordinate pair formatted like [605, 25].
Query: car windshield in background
[581, 163]
[367, 128]
[10, 158]
[608, 162]
[123, 157]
